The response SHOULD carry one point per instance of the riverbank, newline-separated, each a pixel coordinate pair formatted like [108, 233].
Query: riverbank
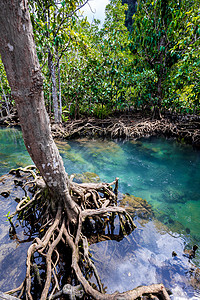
[186, 129]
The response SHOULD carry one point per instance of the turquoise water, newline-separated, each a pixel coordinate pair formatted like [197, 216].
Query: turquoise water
[12, 150]
[167, 175]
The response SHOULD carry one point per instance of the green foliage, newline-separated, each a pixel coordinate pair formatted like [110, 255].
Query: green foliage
[9, 218]
[95, 69]
[4, 87]
[65, 113]
[56, 34]
[3, 79]
[100, 70]
[185, 88]
[165, 40]
[101, 111]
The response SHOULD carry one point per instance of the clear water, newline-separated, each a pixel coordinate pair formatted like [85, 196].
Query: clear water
[167, 175]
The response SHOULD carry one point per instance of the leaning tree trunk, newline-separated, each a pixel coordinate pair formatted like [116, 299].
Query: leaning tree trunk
[19, 56]
[23, 71]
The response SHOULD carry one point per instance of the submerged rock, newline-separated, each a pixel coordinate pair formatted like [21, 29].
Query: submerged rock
[5, 194]
[195, 278]
[74, 156]
[12, 252]
[174, 195]
[63, 146]
[190, 253]
[86, 177]
[136, 206]
[8, 187]
[97, 147]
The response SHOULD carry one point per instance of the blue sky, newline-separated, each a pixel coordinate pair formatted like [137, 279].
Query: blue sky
[98, 8]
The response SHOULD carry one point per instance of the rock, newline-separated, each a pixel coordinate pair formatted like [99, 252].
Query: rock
[86, 177]
[174, 254]
[5, 194]
[136, 205]
[191, 252]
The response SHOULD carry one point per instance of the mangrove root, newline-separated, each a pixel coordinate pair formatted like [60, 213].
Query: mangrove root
[98, 205]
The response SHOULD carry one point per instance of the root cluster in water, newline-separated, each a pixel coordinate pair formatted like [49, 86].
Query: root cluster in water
[58, 261]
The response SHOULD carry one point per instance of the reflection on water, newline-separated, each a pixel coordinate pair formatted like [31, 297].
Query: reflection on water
[12, 253]
[145, 257]
[166, 174]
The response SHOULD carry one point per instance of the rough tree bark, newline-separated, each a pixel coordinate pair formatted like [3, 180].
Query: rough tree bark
[19, 56]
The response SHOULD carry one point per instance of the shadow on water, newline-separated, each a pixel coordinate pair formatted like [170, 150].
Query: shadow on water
[163, 172]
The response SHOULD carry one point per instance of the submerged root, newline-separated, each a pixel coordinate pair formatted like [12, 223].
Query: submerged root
[98, 205]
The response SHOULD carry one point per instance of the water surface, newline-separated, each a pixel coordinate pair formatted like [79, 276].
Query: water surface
[165, 173]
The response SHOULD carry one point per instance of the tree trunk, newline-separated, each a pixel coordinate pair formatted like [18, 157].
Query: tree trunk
[19, 56]
[157, 107]
[5, 98]
[59, 92]
[57, 118]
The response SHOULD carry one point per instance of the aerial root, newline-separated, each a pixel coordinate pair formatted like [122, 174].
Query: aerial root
[89, 194]
[129, 128]
[49, 262]
[97, 202]
[115, 128]
[37, 182]
[28, 169]
[155, 289]
[90, 263]
[45, 247]
[21, 206]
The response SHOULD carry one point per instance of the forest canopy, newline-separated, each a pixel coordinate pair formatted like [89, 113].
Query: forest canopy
[144, 56]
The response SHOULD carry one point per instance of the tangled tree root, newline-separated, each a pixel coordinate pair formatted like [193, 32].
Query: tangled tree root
[98, 206]
[129, 128]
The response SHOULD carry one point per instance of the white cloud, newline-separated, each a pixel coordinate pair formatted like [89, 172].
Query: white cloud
[96, 11]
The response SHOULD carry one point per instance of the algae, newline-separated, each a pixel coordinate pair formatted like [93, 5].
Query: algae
[75, 157]
[86, 177]
[63, 146]
[136, 206]
[96, 147]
